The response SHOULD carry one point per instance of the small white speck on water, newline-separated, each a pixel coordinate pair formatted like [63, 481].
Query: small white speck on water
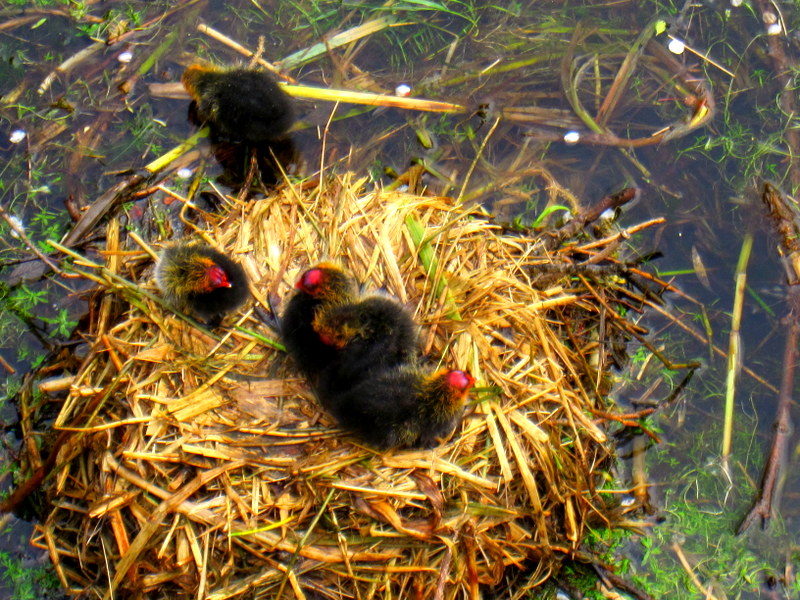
[676, 46]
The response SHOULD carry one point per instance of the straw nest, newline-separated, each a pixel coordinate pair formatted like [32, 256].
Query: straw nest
[198, 464]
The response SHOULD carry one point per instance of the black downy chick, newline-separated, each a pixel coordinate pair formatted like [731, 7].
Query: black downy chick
[337, 337]
[239, 104]
[324, 285]
[402, 407]
[371, 334]
[194, 276]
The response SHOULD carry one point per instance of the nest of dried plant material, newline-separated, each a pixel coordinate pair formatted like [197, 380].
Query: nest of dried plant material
[199, 464]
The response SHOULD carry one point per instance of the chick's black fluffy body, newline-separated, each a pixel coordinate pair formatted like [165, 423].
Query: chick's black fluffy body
[371, 335]
[318, 288]
[402, 407]
[361, 355]
[194, 276]
[239, 104]
[302, 343]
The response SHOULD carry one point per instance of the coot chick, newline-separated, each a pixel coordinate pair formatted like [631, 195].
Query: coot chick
[194, 276]
[324, 285]
[402, 407]
[371, 334]
[239, 104]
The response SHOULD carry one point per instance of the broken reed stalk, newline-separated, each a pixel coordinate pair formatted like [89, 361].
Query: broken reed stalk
[734, 345]
[370, 99]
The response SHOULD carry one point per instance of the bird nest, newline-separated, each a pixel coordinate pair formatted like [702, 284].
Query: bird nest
[197, 463]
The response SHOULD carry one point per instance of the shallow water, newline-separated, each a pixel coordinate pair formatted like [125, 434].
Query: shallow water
[81, 131]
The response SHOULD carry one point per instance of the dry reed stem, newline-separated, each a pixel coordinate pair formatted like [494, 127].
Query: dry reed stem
[207, 467]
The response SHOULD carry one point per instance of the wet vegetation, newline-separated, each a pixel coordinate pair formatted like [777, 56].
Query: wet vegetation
[90, 100]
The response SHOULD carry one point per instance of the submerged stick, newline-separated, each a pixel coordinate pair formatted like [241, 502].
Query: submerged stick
[625, 72]
[786, 220]
[69, 63]
[787, 224]
[31, 246]
[124, 190]
[764, 504]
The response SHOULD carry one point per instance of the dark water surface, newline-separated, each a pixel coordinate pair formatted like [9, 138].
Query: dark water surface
[81, 131]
